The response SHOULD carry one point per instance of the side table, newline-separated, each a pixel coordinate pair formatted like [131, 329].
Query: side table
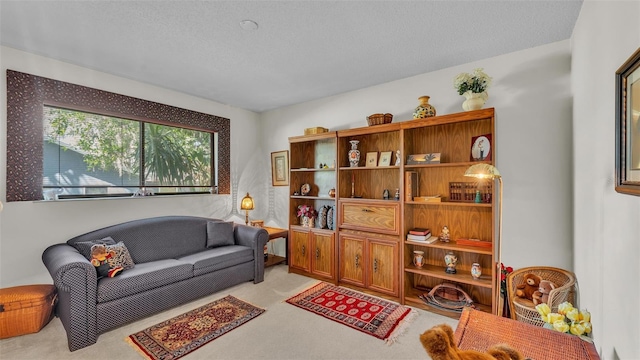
[276, 233]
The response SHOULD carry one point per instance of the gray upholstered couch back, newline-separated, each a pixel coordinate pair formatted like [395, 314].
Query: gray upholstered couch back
[156, 238]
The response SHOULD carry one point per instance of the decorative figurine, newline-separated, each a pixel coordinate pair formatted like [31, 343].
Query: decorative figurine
[385, 194]
[397, 157]
[444, 235]
[397, 194]
[451, 260]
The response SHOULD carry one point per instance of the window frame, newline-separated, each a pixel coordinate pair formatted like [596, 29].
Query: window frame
[28, 94]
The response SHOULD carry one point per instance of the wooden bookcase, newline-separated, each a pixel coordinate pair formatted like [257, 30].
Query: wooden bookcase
[451, 136]
[368, 249]
[312, 251]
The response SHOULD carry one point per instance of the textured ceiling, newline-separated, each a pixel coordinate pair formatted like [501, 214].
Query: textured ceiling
[302, 50]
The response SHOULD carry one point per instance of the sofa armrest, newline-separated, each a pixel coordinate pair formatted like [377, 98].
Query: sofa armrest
[76, 281]
[255, 238]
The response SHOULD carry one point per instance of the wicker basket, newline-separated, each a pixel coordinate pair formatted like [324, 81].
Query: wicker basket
[379, 119]
[25, 309]
[524, 310]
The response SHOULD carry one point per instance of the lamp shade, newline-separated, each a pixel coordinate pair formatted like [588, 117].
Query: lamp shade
[483, 171]
[247, 203]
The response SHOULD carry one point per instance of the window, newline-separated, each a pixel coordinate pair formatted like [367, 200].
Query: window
[91, 155]
[29, 97]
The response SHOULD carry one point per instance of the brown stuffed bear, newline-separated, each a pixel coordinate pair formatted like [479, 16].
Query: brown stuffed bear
[542, 294]
[100, 259]
[530, 285]
[440, 344]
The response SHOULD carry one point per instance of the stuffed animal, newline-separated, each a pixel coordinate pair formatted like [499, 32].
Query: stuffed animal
[542, 294]
[530, 285]
[440, 344]
[100, 259]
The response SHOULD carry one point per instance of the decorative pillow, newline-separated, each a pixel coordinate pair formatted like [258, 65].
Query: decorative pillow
[122, 257]
[84, 247]
[219, 233]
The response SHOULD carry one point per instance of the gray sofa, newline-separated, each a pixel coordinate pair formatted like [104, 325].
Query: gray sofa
[173, 265]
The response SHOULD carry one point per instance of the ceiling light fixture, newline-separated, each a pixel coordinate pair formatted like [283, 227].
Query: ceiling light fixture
[249, 25]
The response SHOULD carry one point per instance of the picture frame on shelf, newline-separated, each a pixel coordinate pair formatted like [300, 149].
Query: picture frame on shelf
[385, 158]
[423, 159]
[481, 148]
[280, 168]
[372, 159]
[628, 126]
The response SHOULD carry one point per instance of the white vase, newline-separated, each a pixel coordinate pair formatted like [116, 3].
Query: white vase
[474, 101]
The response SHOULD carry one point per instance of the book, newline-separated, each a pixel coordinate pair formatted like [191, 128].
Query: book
[429, 240]
[410, 185]
[419, 231]
[418, 237]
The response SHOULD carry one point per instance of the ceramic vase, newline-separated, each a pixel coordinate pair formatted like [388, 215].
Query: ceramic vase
[332, 192]
[451, 260]
[474, 101]
[354, 154]
[476, 271]
[424, 110]
[418, 258]
[307, 221]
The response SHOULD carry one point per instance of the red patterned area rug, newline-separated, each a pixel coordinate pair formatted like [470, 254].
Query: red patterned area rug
[374, 316]
[185, 333]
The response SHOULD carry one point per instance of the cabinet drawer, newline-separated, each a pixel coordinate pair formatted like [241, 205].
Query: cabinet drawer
[381, 218]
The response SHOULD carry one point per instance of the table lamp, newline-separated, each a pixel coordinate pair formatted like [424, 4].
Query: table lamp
[488, 171]
[246, 205]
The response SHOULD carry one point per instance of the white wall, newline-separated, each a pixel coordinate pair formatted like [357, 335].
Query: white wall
[27, 228]
[533, 110]
[607, 224]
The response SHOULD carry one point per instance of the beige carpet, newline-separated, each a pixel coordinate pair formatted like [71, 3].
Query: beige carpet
[282, 332]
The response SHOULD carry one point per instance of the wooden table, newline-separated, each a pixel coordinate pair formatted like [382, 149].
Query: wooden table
[276, 233]
[478, 330]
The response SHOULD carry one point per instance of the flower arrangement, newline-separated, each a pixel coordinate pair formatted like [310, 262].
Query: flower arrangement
[307, 211]
[567, 320]
[504, 271]
[477, 82]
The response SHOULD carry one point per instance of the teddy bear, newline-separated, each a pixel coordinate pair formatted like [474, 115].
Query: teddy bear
[100, 259]
[542, 294]
[440, 344]
[530, 285]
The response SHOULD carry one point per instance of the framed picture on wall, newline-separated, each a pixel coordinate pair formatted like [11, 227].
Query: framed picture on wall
[628, 126]
[481, 148]
[280, 168]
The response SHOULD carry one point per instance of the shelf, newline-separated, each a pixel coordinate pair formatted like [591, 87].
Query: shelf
[452, 246]
[452, 164]
[460, 277]
[343, 168]
[448, 203]
[411, 298]
[312, 170]
[366, 200]
[306, 228]
[313, 197]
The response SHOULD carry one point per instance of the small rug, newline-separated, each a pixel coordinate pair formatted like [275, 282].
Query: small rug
[374, 316]
[185, 333]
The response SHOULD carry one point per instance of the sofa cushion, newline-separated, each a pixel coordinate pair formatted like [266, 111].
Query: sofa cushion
[219, 233]
[84, 247]
[218, 258]
[143, 277]
[122, 257]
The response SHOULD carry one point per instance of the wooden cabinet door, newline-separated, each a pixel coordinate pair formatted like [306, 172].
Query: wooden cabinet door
[383, 266]
[299, 250]
[322, 257]
[352, 261]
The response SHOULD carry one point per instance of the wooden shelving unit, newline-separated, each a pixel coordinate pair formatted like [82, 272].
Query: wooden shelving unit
[369, 247]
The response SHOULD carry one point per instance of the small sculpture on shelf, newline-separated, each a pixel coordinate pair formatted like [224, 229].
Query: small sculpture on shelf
[451, 260]
[397, 196]
[444, 235]
[397, 157]
[385, 194]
